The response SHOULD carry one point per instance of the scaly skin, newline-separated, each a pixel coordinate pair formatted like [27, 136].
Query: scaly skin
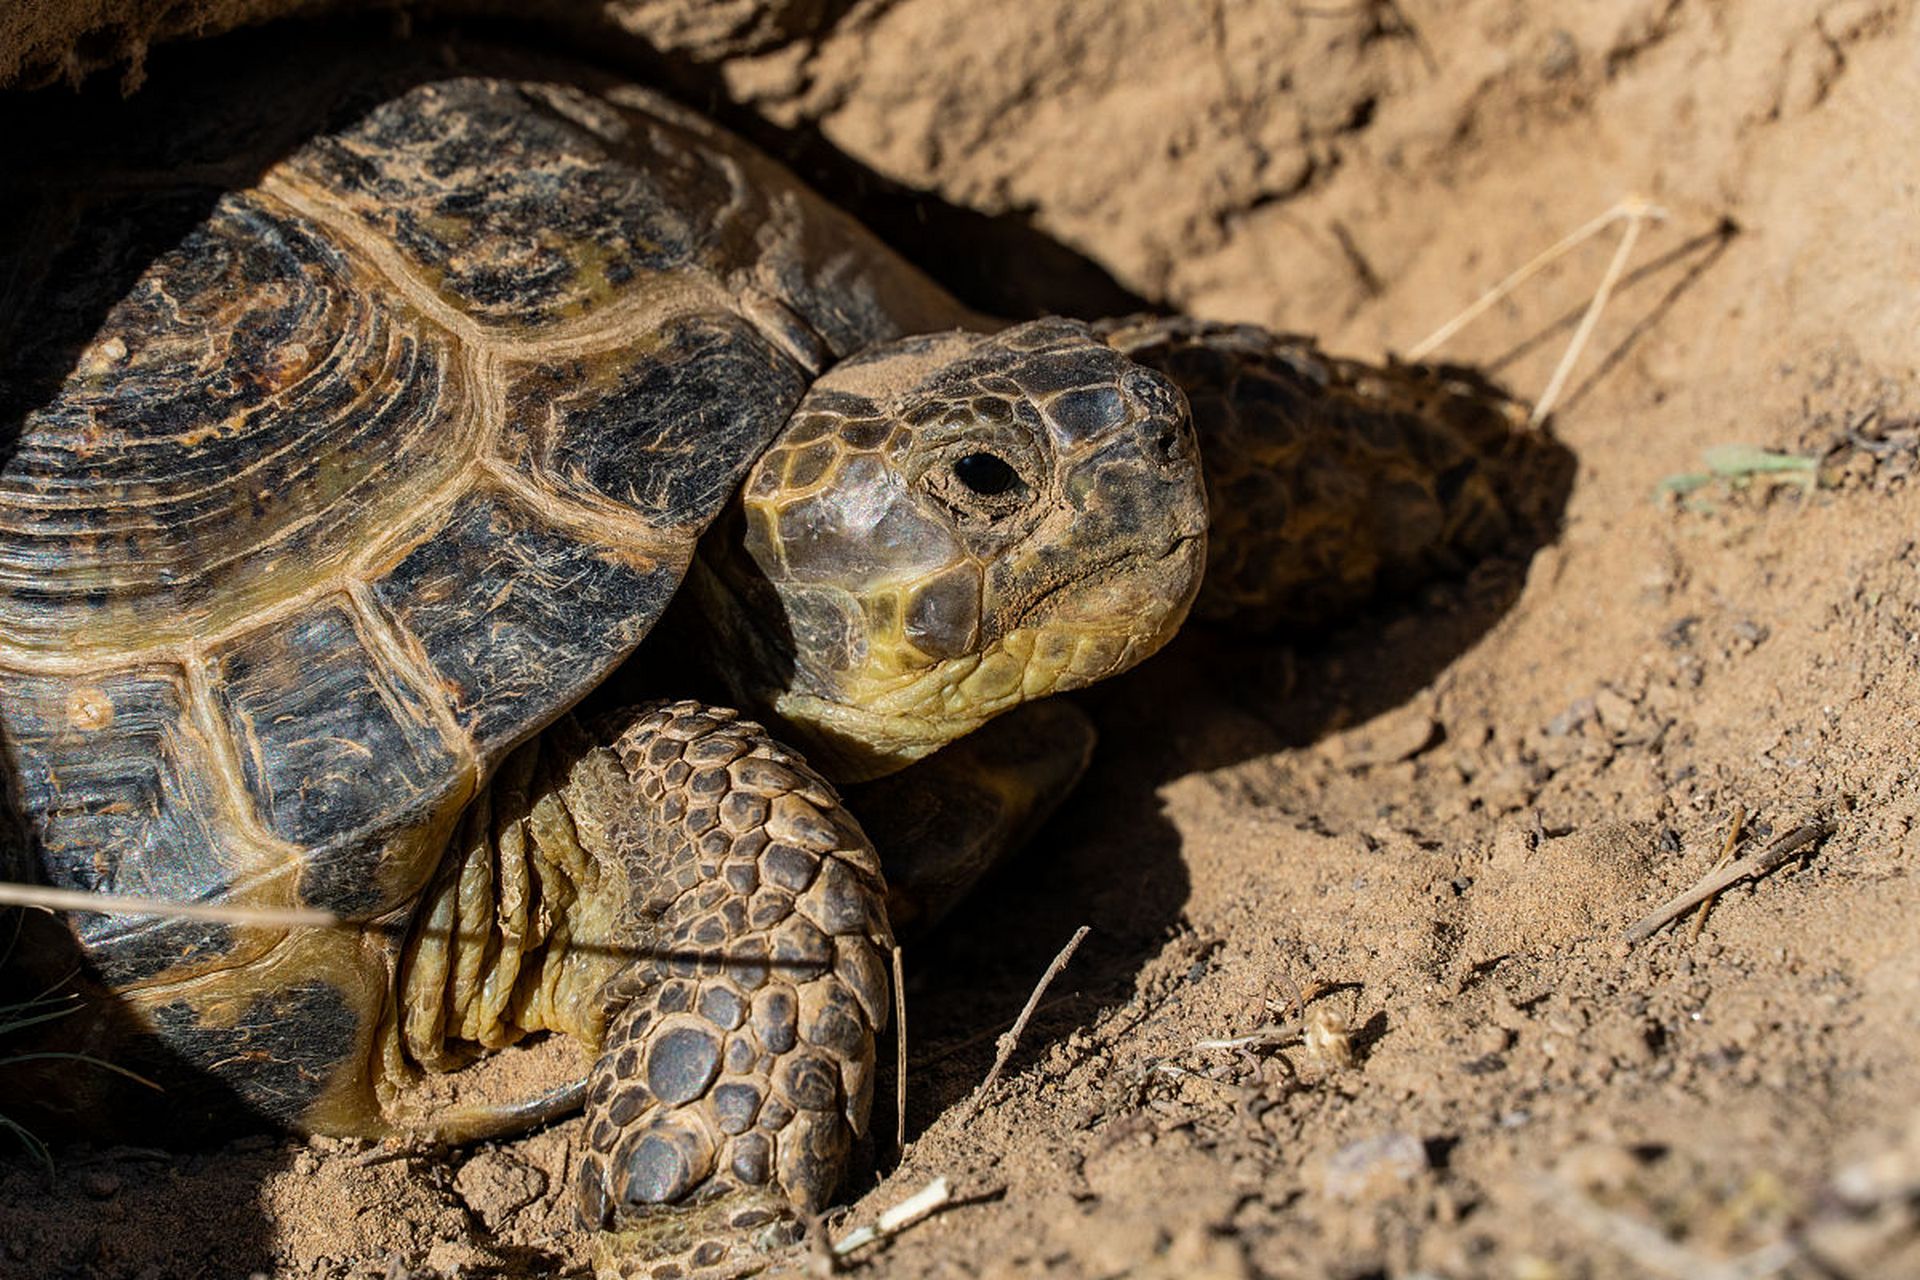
[885, 591]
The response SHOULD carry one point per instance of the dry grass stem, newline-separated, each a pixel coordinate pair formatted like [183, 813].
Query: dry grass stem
[1271, 1036]
[1713, 882]
[1324, 1032]
[920, 1205]
[1011, 1040]
[13, 894]
[1635, 209]
[1732, 842]
[1637, 212]
[899, 1055]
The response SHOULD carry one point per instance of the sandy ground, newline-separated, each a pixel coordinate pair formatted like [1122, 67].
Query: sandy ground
[1437, 822]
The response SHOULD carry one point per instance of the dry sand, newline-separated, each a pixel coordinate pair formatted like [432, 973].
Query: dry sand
[1449, 810]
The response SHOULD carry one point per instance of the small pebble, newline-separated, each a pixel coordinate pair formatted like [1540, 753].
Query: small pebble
[1375, 1167]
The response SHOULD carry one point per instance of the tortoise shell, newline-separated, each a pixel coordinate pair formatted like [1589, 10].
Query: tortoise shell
[357, 421]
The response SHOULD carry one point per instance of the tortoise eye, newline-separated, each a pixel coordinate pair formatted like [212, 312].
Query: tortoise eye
[985, 474]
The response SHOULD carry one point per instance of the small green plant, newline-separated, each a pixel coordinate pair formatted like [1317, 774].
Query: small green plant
[1738, 464]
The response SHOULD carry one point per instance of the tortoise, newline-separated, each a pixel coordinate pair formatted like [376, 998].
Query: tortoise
[352, 450]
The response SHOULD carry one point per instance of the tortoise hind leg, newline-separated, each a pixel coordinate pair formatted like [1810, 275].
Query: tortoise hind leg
[1331, 480]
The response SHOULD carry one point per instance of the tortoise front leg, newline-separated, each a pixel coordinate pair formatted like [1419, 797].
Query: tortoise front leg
[742, 1058]
[1329, 480]
[702, 909]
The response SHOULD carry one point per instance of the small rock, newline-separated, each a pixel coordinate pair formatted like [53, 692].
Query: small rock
[1599, 1166]
[1199, 1253]
[1890, 1173]
[1615, 711]
[1505, 1015]
[1678, 634]
[1559, 54]
[496, 1186]
[1388, 739]
[1375, 1167]
[101, 1185]
[1569, 721]
[1489, 1040]
[454, 1258]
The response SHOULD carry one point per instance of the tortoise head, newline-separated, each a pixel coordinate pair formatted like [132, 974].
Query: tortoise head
[953, 524]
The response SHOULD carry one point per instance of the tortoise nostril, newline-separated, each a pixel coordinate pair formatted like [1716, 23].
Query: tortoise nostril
[1163, 443]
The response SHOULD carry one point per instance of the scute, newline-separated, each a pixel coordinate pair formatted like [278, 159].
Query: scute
[246, 416]
[514, 215]
[520, 618]
[280, 1051]
[109, 770]
[330, 741]
[669, 433]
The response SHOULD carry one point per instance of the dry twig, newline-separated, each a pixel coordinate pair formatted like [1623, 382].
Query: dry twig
[966, 1042]
[1726, 855]
[1759, 864]
[407, 1148]
[899, 1056]
[1303, 1028]
[920, 1205]
[1011, 1040]
[1271, 1036]
[13, 894]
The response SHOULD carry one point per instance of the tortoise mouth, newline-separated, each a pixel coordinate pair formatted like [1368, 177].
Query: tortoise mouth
[1084, 630]
[1126, 588]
